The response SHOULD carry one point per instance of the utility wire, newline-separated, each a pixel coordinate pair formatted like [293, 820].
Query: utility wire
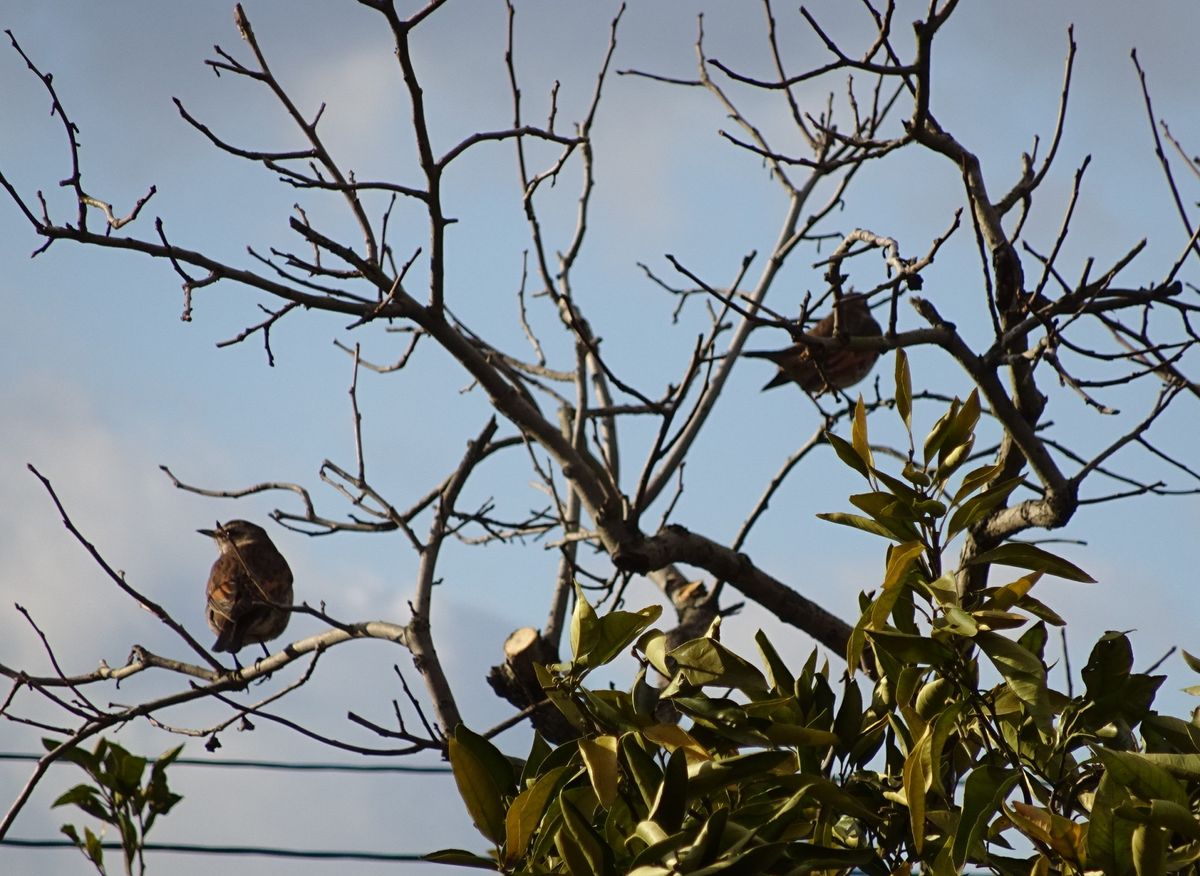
[272, 765]
[240, 851]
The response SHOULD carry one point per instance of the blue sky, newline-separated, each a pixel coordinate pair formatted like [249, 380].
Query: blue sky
[105, 383]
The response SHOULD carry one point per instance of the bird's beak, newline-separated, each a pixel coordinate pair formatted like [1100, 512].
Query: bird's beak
[211, 533]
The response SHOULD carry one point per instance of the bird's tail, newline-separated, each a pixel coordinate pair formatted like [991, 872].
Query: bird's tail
[776, 356]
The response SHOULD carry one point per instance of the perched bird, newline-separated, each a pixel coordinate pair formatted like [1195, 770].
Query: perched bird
[247, 586]
[818, 369]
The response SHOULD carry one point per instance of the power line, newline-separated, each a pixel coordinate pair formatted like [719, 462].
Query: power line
[273, 765]
[239, 851]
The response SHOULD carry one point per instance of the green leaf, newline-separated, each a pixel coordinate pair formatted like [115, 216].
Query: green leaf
[858, 434]
[1163, 813]
[953, 458]
[849, 719]
[706, 661]
[710, 776]
[1109, 838]
[975, 479]
[595, 641]
[583, 849]
[797, 736]
[915, 475]
[1172, 737]
[670, 802]
[93, 848]
[1028, 556]
[1024, 672]
[961, 431]
[900, 559]
[847, 454]
[977, 507]
[525, 814]
[78, 796]
[583, 626]
[957, 622]
[642, 769]
[866, 524]
[654, 644]
[1010, 594]
[1185, 766]
[539, 750]
[562, 700]
[125, 769]
[916, 778]
[1192, 662]
[1149, 849]
[73, 754]
[908, 648]
[1141, 776]
[498, 765]
[937, 435]
[983, 792]
[600, 758]
[1040, 610]
[903, 389]
[460, 858]
[1108, 665]
[478, 789]
[706, 845]
[898, 487]
[778, 674]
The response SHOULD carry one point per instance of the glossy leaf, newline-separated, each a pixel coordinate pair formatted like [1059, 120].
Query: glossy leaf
[910, 648]
[780, 678]
[1062, 835]
[978, 507]
[983, 793]
[916, 778]
[600, 758]
[595, 641]
[673, 737]
[866, 524]
[671, 800]
[525, 814]
[961, 430]
[460, 858]
[847, 454]
[1022, 670]
[858, 435]
[976, 479]
[478, 790]
[1010, 594]
[707, 662]
[900, 560]
[1163, 813]
[937, 435]
[903, 389]
[1141, 776]
[583, 849]
[1028, 556]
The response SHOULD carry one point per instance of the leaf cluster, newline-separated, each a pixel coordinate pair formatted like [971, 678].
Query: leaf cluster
[117, 797]
[728, 765]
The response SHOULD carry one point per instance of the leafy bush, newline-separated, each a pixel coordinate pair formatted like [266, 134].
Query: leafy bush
[118, 798]
[782, 771]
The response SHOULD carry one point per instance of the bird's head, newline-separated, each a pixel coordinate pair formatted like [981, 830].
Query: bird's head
[235, 532]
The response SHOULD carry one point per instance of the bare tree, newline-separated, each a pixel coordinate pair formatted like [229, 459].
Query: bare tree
[610, 496]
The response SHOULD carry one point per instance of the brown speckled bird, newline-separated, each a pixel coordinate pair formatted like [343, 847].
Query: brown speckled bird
[248, 583]
[821, 369]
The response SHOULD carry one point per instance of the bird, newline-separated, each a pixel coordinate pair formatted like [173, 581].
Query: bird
[248, 588]
[819, 369]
